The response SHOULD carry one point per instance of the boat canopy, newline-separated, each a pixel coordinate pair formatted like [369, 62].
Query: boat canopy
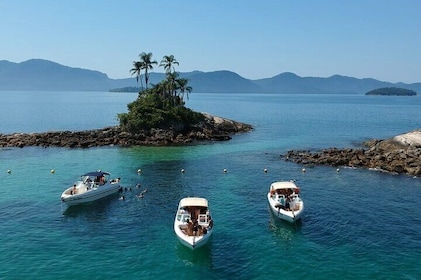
[96, 173]
[193, 201]
[283, 185]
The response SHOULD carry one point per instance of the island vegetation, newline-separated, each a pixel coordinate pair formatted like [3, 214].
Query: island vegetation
[126, 89]
[392, 91]
[162, 105]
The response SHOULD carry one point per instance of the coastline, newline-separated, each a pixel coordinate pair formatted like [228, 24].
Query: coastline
[400, 154]
[212, 129]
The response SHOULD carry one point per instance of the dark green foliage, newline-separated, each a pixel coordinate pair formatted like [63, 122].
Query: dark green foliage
[392, 91]
[126, 89]
[161, 106]
[154, 110]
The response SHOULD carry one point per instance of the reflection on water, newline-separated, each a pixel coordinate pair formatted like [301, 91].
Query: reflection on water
[95, 209]
[201, 256]
[284, 230]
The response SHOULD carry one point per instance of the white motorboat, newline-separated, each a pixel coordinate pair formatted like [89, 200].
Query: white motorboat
[193, 223]
[90, 187]
[285, 202]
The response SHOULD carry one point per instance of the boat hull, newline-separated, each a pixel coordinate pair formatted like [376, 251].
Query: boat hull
[92, 186]
[192, 242]
[284, 201]
[193, 224]
[290, 216]
[90, 196]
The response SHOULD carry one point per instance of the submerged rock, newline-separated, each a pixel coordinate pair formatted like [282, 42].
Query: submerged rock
[212, 129]
[400, 154]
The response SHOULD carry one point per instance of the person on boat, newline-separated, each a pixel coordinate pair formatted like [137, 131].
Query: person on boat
[287, 203]
[88, 182]
[210, 222]
[292, 203]
[115, 180]
[195, 227]
[282, 200]
[189, 227]
[73, 191]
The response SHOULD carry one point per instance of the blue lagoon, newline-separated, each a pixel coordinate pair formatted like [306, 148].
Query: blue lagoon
[373, 231]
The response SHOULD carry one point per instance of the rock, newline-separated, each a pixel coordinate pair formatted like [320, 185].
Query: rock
[399, 155]
[212, 129]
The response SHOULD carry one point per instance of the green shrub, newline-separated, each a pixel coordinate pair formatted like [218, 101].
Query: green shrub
[154, 110]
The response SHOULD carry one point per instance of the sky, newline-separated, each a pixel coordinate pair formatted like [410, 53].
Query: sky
[378, 39]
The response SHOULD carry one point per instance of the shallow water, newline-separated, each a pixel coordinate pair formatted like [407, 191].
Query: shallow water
[358, 223]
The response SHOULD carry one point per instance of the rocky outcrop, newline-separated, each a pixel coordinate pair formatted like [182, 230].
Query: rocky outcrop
[400, 155]
[212, 129]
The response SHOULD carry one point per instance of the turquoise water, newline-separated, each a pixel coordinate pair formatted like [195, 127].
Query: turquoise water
[358, 224]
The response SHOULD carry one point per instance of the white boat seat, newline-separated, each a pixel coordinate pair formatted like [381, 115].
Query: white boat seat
[203, 219]
[185, 217]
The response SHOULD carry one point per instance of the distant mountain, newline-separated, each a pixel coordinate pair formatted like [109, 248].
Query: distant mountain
[38, 74]
[291, 83]
[220, 81]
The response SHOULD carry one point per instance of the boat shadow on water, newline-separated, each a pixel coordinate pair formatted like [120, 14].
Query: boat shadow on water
[284, 229]
[201, 256]
[97, 207]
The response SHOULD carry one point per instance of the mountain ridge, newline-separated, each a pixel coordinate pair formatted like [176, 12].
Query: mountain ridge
[40, 74]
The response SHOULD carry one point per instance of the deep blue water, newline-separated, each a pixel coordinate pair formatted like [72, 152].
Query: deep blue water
[359, 224]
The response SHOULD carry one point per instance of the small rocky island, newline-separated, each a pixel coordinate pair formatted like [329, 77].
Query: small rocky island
[398, 155]
[212, 128]
[392, 91]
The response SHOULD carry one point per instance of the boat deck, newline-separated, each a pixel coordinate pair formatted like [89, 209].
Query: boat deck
[194, 221]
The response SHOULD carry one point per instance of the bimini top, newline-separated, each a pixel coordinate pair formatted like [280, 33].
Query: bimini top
[283, 185]
[96, 173]
[194, 201]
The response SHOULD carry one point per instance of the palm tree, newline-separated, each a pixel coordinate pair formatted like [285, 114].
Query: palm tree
[183, 87]
[172, 78]
[137, 68]
[168, 61]
[147, 64]
[164, 90]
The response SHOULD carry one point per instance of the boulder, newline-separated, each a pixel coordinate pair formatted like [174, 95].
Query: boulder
[212, 129]
[399, 155]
